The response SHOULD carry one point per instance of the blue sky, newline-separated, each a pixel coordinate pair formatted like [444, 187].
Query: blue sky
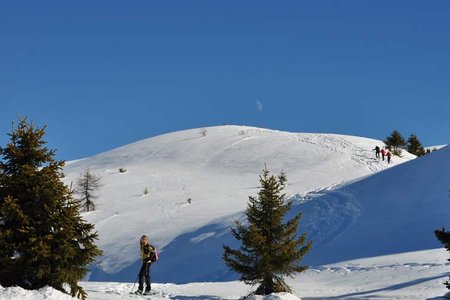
[101, 74]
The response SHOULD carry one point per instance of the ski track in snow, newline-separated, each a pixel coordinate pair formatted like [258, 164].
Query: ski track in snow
[327, 219]
[361, 155]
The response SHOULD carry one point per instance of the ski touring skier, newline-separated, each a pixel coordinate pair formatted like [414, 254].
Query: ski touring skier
[148, 255]
[383, 153]
[377, 152]
[388, 155]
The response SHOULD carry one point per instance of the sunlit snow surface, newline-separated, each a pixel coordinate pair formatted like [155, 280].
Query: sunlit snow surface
[415, 275]
[217, 172]
[371, 225]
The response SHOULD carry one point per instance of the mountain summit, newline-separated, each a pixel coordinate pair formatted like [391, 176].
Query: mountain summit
[185, 189]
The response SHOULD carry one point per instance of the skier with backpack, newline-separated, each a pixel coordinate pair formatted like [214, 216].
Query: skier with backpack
[149, 254]
[383, 154]
[377, 151]
[388, 157]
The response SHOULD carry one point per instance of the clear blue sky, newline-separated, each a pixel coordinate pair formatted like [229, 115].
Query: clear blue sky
[101, 74]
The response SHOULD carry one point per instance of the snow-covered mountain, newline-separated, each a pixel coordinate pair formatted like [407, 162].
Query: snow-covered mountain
[372, 225]
[217, 171]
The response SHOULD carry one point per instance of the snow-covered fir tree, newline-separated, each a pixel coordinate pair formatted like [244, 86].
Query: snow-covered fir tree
[43, 239]
[270, 247]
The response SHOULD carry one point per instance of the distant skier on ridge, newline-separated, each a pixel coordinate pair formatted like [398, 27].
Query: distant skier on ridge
[383, 153]
[388, 155]
[377, 151]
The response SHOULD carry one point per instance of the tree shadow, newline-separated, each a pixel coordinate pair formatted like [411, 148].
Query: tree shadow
[394, 287]
[194, 256]
[178, 297]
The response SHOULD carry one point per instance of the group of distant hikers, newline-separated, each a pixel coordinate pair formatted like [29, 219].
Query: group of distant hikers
[384, 153]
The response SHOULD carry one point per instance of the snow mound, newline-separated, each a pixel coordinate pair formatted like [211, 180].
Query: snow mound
[274, 296]
[45, 293]
[199, 184]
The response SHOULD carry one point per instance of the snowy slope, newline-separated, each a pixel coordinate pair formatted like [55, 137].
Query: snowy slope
[390, 212]
[218, 172]
[372, 231]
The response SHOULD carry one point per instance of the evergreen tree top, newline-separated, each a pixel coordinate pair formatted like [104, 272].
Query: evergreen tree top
[27, 149]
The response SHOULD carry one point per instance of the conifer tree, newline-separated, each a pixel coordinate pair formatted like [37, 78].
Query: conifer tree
[43, 239]
[395, 142]
[414, 146]
[444, 237]
[87, 185]
[270, 248]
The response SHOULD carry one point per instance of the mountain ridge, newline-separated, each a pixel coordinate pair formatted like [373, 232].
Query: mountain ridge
[217, 171]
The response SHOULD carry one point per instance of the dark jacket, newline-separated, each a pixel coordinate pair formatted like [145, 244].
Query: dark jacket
[147, 251]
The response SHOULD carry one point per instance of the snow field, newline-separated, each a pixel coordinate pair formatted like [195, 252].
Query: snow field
[217, 172]
[414, 275]
[372, 225]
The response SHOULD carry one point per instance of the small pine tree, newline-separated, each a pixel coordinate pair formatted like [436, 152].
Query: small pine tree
[395, 142]
[270, 248]
[86, 186]
[43, 239]
[414, 146]
[444, 237]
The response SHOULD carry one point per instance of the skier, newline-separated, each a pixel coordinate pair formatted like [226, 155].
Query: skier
[383, 153]
[377, 151]
[147, 251]
[388, 155]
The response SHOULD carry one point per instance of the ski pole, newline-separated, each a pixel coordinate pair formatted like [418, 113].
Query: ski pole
[134, 284]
